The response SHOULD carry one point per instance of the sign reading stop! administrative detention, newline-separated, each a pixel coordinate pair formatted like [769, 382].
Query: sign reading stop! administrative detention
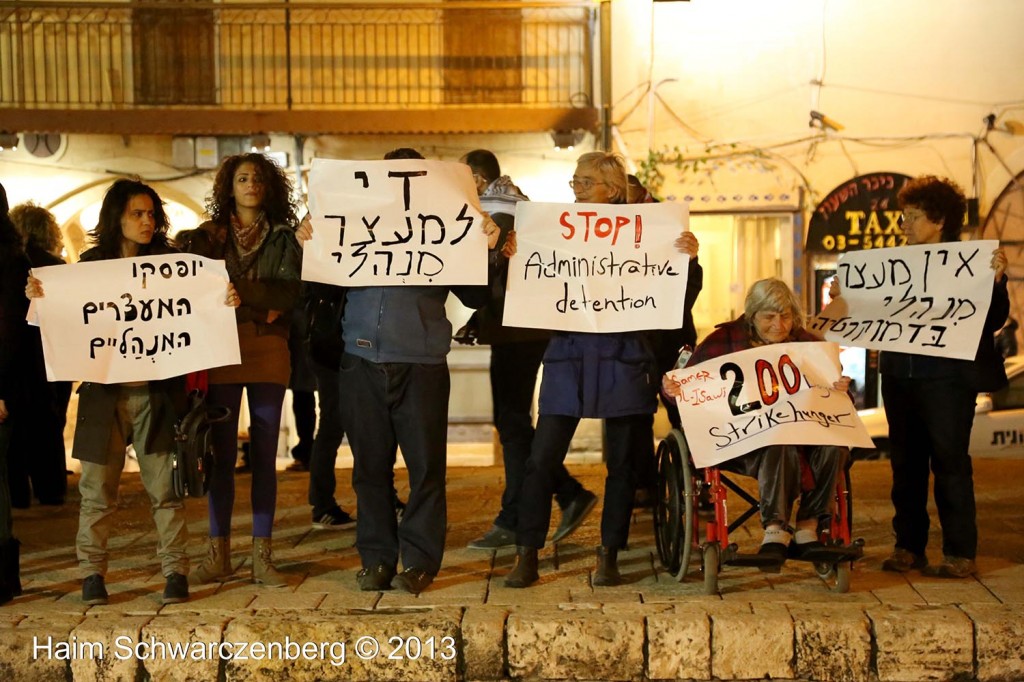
[861, 213]
[597, 267]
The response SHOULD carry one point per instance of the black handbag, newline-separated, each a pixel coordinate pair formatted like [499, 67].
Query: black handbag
[192, 459]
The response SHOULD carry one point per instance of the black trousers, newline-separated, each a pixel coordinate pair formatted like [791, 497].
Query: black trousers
[37, 451]
[930, 424]
[388, 406]
[329, 434]
[627, 438]
[514, 368]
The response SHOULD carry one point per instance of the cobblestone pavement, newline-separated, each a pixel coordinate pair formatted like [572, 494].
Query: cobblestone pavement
[467, 625]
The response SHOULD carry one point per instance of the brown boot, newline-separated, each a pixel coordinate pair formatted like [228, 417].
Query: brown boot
[263, 571]
[216, 566]
[607, 573]
[525, 572]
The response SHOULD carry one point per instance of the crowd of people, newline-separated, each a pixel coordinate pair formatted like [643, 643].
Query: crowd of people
[383, 382]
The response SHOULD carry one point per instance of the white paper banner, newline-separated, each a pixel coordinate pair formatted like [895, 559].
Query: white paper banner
[779, 394]
[135, 319]
[930, 299]
[597, 267]
[388, 223]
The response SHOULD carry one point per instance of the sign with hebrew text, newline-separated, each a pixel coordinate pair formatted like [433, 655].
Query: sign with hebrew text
[135, 319]
[394, 223]
[929, 299]
[597, 267]
[779, 394]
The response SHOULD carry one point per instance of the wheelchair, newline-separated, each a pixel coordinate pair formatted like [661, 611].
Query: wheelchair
[690, 521]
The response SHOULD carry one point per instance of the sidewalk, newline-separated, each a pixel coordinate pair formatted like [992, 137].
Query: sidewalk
[469, 626]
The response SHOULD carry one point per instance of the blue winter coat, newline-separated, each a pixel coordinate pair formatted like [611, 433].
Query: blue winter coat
[599, 375]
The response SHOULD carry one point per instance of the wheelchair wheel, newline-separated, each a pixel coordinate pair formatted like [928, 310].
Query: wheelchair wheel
[668, 506]
[689, 519]
[710, 563]
[836, 576]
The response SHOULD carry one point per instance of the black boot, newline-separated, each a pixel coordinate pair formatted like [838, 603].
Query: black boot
[607, 573]
[525, 572]
[8, 588]
[10, 563]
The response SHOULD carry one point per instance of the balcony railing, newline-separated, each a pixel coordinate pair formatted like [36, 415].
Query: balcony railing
[296, 56]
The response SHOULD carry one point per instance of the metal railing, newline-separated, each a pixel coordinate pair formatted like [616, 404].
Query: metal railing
[295, 55]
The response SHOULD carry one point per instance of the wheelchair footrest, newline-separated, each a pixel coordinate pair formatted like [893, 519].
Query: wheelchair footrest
[754, 560]
[827, 554]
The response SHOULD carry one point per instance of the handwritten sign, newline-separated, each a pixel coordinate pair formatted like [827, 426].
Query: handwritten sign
[597, 267]
[930, 299]
[779, 394]
[135, 319]
[388, 223]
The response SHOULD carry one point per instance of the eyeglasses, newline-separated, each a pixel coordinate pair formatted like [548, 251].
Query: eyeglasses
[584, 184]
[909, 217]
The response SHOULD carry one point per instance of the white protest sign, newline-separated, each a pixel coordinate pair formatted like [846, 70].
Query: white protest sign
[135, 319]
[387, 223]
[597, 267]
[930, 299]
[778, 394]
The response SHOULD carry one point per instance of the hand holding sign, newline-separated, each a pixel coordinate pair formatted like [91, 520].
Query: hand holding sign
[776, 394]
[930, 299]
[390, 223]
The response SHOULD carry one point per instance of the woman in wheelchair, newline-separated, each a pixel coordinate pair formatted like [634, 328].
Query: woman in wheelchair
[772, 314]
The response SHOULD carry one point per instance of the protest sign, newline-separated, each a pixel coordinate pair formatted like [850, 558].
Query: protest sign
[392, 223]
[930, 299]
[135, 319]
[597, 267]
[778, 394]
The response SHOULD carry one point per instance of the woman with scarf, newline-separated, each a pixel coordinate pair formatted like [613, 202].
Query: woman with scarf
[252, 228]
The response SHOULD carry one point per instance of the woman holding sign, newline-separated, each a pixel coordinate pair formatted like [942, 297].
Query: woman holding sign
[132, 222]
[929, 403]
[772, 314]
[607, 376]
[252, 228]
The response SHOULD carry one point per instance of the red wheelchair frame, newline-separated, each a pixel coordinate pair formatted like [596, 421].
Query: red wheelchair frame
[686, 505]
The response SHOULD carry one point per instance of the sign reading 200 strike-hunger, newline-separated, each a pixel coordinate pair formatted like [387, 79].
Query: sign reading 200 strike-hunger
[135, 319]
[779, 394]
[597, 267]
[930, 299]
[393, 223]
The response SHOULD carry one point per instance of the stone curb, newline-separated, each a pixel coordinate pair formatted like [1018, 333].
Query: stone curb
[723, 640]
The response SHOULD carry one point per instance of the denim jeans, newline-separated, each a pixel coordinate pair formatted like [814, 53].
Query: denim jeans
[265, 403]
[388, 406]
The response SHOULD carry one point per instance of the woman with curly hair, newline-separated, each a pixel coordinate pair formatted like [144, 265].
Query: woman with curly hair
[252, 228]
[37, 444]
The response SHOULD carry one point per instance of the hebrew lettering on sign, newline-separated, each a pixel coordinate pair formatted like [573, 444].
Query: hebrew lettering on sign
[393, 223]
[135, 319]
[929, 299]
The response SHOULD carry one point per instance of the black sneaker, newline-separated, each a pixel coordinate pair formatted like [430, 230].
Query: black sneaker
[414, 580]
[176, 589]
[574, 514]
[375, 579]
[336, 519]
[399, 509]
[94, 592]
